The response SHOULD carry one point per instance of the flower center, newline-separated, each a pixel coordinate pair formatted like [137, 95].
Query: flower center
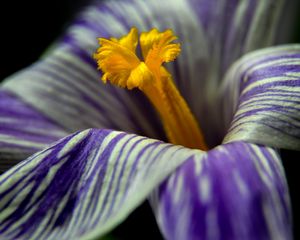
[121, 66]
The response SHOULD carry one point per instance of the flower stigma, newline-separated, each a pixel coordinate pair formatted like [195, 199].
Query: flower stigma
[121, 66]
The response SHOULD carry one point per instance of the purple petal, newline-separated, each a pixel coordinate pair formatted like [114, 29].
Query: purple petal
[84, 185]
[237, 191]
[262, 92]
[23, 131]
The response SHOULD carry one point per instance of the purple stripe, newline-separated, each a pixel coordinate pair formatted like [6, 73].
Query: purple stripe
[265, 98]
[102, 165]
[113, 177]
[269, 72]
[121, 176]
[289, 132]
[22, 122]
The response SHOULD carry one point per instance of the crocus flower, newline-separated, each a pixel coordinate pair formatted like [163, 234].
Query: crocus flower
[83, 185]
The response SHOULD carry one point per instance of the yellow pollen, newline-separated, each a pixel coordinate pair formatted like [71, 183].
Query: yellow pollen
[121, 66]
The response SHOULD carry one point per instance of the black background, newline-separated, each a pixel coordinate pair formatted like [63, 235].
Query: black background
[28, 27]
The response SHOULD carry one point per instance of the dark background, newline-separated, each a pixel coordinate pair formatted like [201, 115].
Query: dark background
[28, 27]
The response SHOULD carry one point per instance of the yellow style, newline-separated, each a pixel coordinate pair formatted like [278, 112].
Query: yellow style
[121, 66]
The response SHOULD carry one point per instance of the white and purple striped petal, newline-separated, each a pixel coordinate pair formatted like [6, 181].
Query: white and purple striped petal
[213, 35]
[262, 92]
[23, 131]
[84, 185]
[238, 191]
[66, 87]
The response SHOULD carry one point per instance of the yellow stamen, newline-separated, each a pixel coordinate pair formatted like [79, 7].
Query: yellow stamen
[121, 66]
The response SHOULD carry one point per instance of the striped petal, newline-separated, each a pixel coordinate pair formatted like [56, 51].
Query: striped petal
[84, 185]
[213, 35]
[237, 191]
[66, 87]
[262, 92]
[23, 131]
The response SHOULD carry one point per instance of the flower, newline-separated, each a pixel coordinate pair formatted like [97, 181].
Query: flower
[86, 183]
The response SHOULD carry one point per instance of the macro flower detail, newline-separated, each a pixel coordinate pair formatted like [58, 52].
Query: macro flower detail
[118, 61]
[78, 156]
